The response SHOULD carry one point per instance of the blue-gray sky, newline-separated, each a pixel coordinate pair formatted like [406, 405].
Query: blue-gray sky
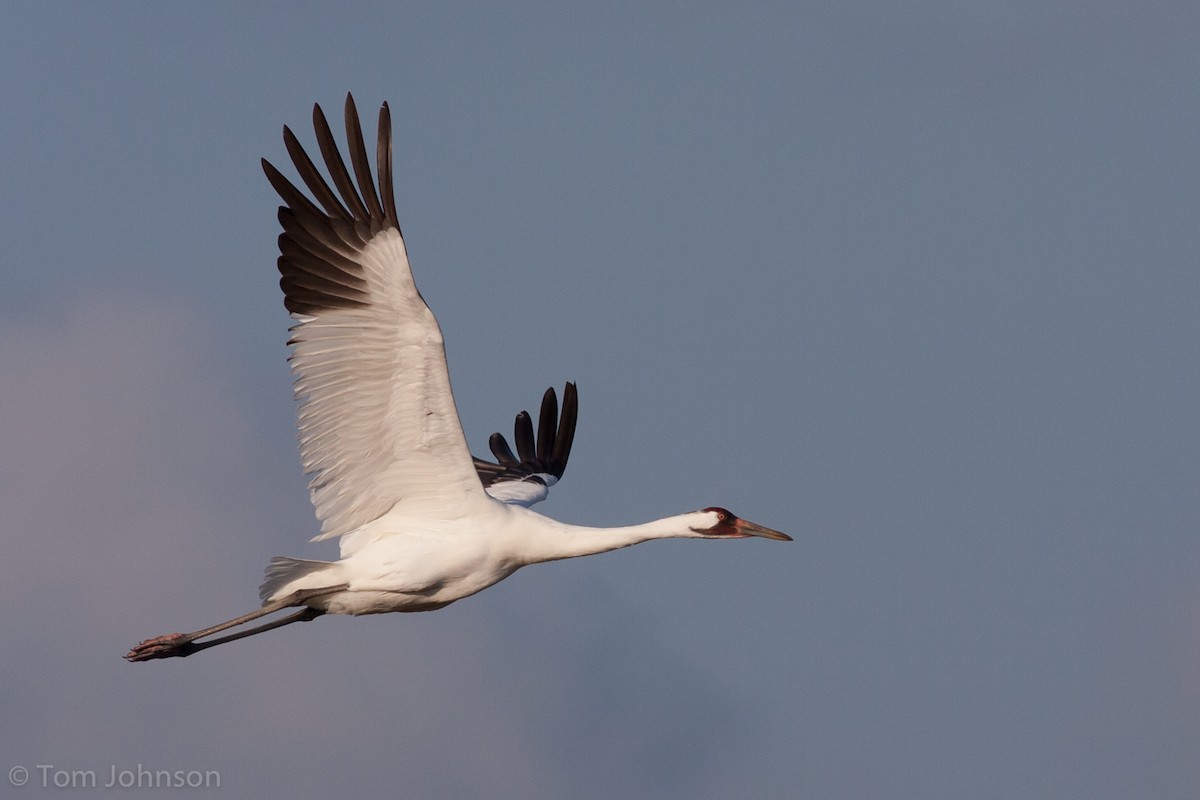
[917, 283]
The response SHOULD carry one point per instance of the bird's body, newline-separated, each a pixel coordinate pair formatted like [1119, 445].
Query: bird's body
[421, 522]
[405, 562]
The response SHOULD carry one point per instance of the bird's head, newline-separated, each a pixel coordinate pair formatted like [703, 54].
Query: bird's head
[720, 523]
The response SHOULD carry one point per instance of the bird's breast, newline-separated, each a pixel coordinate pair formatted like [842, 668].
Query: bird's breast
[414, 572]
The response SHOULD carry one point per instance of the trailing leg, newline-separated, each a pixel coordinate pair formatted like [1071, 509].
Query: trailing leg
[179, 645]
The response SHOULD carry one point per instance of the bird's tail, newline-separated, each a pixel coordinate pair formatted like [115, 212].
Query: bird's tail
[284, 576]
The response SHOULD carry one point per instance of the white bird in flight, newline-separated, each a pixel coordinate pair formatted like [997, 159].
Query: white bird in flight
[421, 523]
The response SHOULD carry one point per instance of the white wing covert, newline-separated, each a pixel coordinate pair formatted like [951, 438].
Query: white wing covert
[377, 419]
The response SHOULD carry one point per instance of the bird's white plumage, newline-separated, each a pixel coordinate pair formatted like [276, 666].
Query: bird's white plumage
[525, 492]
[377, 419]
[379, 432]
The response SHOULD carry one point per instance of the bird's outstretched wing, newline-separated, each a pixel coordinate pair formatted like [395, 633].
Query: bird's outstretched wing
[378, 424]
[526, 478]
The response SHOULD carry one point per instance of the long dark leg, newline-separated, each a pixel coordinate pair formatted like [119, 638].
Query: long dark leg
[171, 647]
[184, 644]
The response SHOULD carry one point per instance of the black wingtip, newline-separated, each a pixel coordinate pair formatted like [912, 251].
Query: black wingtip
[523, 438]
[501, 451]
[566, 429]
[547, 425]
[320, 244]
[361, 163]
[547, 453]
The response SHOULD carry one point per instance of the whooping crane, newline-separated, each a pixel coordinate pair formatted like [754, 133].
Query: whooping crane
[421, 523]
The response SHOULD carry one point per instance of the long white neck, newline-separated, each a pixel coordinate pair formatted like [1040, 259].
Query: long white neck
[544, 539]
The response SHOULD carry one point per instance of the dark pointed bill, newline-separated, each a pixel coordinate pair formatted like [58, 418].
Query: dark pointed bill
[746, 528]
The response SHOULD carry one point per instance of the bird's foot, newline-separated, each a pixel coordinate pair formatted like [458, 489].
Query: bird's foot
[167, 646]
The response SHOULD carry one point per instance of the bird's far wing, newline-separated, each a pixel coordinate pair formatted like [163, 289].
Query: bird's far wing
[526, 478]
[377, 418]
